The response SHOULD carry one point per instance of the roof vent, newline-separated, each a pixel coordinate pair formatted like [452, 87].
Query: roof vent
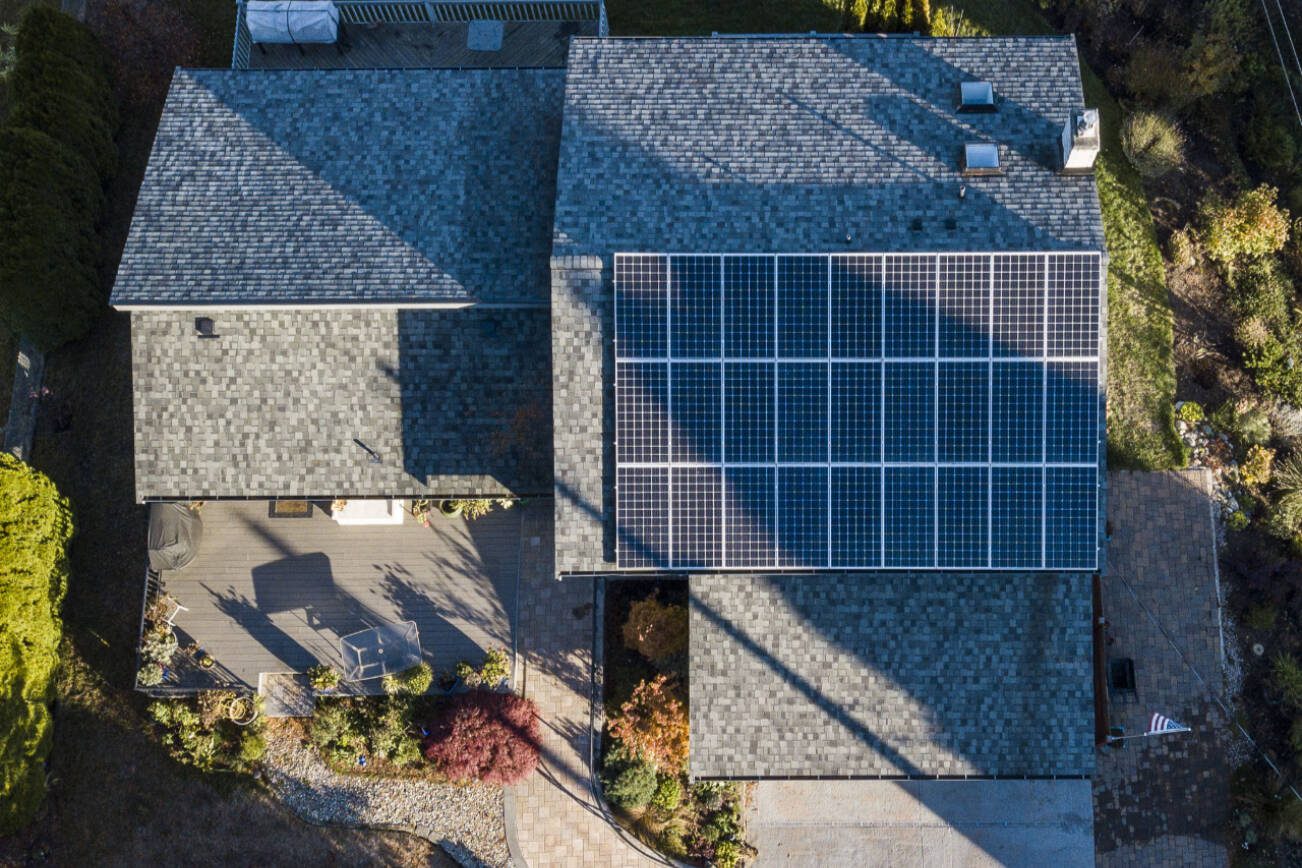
[204, 327]
[981, 158]
[1080, 141]
[976, 96]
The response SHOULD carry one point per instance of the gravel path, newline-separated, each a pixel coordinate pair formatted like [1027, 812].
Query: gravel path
[466, 821]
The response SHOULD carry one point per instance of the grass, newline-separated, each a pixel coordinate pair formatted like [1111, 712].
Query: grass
[1141, 366]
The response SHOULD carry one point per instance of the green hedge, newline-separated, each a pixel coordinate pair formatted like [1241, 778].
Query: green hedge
[35, 527]
[50, 202]
[56, 155]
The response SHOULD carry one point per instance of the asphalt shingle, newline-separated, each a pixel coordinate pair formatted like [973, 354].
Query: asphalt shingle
[347, 186]
[891, 674]
[454, 402]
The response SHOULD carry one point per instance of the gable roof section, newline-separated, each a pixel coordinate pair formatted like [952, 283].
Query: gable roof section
[453, 403]
[787, 144]
[895, 675]
[783, 145]
[347, 187]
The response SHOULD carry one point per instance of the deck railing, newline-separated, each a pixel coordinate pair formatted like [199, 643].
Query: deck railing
[441, 11]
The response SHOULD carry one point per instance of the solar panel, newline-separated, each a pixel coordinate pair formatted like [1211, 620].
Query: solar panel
[857, 411]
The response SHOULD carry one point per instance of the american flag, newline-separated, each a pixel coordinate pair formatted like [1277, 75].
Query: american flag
[1160, 724]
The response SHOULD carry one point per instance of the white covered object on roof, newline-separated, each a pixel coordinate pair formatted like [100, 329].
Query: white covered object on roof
[291, 22]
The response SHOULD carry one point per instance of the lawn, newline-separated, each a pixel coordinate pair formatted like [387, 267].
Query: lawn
[1141, 368]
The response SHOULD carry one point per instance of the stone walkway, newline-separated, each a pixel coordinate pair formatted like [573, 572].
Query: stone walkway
[557, 820]
[1163, 800]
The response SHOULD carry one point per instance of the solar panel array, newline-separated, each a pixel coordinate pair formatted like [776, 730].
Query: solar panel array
[857, 411]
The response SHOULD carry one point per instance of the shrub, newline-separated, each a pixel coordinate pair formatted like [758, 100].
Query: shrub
[392, 734]
[628, 781]
[1237, 520]
[1182, 247]
[49, 204]
[146, 41]
[1268, 142]
[1153, 74]
[474, 508]
[727, 854]
[195, 736]
[653, 723]
[150, 675]
[35, 527]
[1273, 362]
[489, 737]
[158, 645]
[1190, 412]
[410, 682]
[1261, 617]
[1288, 493]
[1153, 143]
[1287, 677]
[1210, 63]
[323, 676]
[1244, 421]
[346, 728]
[1261, 289]
[61, 87]
[468, 673]
[1255, 469]
[655, 630]
[668, 794]
[1251, 225]
[336, 730]
[496, 667]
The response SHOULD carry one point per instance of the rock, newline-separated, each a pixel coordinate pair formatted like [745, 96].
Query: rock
[468, 822]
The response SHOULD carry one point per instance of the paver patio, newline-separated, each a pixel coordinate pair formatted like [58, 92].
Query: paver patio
[1163, 800]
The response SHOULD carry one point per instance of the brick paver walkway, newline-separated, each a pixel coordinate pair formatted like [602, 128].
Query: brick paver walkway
[1163, 800]
[557, 820]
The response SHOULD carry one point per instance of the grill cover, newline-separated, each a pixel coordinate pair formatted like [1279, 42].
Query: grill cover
[175, 531]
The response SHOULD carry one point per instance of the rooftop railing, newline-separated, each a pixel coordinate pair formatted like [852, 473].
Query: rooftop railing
[439, 12]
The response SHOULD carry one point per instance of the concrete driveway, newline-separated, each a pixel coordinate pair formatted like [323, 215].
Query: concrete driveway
[923, 823]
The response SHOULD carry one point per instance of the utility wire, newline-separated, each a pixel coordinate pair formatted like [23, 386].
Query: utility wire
[1283, 20]
[1282, 66]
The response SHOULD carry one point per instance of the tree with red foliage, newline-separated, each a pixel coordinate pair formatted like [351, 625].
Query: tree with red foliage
[488, 737]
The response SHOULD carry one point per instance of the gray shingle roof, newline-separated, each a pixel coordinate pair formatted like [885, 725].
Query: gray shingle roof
[891, 674]
[783, 144]
[455, 402]
[789, 144]
[346, 186]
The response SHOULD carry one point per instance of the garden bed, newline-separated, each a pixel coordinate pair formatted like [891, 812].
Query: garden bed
[645, 744]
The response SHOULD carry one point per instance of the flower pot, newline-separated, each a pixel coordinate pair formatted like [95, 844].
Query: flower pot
[450, 508]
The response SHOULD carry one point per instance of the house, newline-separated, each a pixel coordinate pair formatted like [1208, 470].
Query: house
[824, 318]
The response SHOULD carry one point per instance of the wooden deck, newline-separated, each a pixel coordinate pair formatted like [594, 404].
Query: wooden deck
[276, 594]
[407, 46]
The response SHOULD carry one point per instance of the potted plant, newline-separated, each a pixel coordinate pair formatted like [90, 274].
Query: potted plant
[450, 508]
[158, 645]
[420, 509]
[467, 674]
[496, 668]
[150, 675]
[323, 677]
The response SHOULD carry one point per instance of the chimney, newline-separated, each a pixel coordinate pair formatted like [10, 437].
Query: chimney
[1080, 142]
